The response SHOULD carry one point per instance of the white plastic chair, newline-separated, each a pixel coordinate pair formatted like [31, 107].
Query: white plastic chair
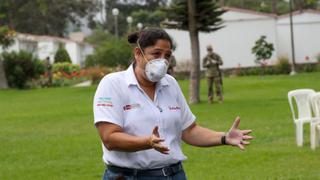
[315, 125]
[303, 106]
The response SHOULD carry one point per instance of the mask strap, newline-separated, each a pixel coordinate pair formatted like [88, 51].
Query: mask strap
[144, 57]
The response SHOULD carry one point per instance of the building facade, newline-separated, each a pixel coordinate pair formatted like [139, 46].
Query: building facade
[46, 46]
[243, 27]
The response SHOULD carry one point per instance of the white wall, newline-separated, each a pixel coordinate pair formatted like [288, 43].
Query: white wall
[14, 47]
[306, 37]
[242, 29]
[73, 52]
[233, 42]
[47, 49]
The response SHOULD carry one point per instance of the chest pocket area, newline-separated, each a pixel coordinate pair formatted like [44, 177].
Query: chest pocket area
[172, 117]
[132, 109]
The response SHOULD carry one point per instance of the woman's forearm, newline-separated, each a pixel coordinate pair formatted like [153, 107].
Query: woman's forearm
[202, 137]
[121, 141]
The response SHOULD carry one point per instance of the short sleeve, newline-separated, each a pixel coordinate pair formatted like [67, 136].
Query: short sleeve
[187, 117]
[107, 106]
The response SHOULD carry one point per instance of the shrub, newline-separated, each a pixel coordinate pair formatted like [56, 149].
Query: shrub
[308, 67]
[62, 56]
[91, 61]
[111, 54]
[21, 67]
[318, 58]
[95, 74]
[64, 79]
[262, 50]
[66, 74]
[65, 67]
[283, 66]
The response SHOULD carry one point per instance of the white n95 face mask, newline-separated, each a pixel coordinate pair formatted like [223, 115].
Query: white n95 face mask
[156, 69]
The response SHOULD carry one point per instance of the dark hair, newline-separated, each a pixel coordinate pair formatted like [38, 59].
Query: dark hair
[148, 37]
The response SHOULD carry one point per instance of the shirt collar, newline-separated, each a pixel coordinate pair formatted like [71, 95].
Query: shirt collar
[132, 80]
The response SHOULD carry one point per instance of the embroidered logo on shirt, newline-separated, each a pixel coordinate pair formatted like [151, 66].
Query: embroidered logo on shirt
[174, 108]
[131, 106]
[104, 101]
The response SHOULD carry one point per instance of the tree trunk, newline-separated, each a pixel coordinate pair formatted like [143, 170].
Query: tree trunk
[3, 80]
[194, 86]
[274, 6]
[222, 3]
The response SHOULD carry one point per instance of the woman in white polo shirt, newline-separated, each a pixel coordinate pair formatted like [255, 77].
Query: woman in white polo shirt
[142, 116]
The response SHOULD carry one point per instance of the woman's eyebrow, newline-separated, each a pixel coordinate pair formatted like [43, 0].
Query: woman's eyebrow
[160, 49]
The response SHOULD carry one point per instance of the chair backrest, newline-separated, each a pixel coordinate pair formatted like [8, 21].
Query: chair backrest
[315, 101]
[302, 99]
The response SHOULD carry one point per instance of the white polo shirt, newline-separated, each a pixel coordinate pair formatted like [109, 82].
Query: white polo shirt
[120, 100]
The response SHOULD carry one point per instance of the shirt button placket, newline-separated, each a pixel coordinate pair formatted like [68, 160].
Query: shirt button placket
[160, 114]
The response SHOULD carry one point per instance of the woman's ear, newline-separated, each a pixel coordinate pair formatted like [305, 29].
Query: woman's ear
[137, 53]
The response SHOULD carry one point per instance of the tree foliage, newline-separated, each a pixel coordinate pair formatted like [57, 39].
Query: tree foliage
[6, 38]
[271, 6]
[98, 37]
[143, 11]
[6, 34]
[111, 53]
[208, 16]
[20, 68]
[62, 56]
[262, 49]
[49, 17]
[148, 18]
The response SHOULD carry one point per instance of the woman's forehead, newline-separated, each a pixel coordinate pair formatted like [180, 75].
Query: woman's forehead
[161, 44]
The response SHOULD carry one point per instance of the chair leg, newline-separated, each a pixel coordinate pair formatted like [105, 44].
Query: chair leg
[299, 134]
[313, 135]
[317, 139]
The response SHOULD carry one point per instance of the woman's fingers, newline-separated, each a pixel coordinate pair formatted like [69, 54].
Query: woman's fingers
[236, 123]
[157, 140]
[245, 137]
[161, 148]
[155, 131]
[241, 146]
[245, 142]
[245, 132]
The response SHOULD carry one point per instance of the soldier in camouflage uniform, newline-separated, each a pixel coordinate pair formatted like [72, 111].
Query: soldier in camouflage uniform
[211, 62]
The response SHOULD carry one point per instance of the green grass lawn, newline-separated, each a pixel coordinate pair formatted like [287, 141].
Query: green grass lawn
[49, 133]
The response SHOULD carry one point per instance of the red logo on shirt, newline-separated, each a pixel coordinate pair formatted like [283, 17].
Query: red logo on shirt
[104, 101]
[110, 105]
[174, 108]
[130, 106]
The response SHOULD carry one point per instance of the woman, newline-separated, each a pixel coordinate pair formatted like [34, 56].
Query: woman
[142, 116]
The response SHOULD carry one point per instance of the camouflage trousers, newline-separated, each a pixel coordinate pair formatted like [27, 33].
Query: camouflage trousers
[217, 83]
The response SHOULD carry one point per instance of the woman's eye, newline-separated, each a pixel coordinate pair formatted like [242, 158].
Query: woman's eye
[156, 54]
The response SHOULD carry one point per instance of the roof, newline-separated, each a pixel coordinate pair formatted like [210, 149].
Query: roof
[311, 11]
[32, 37]
[247, 11]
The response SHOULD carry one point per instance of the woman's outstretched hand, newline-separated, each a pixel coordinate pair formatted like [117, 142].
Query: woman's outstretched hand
[155, 142]
[237, 137]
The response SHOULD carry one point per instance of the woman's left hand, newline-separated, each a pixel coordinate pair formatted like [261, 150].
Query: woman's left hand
[237, 137]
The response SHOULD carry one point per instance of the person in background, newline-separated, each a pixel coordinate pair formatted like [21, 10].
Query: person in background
[172, 64]
[211, 62]
[142, 116]
[48, 71]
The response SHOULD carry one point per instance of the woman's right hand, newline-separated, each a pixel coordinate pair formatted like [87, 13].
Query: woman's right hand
[155, 142]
